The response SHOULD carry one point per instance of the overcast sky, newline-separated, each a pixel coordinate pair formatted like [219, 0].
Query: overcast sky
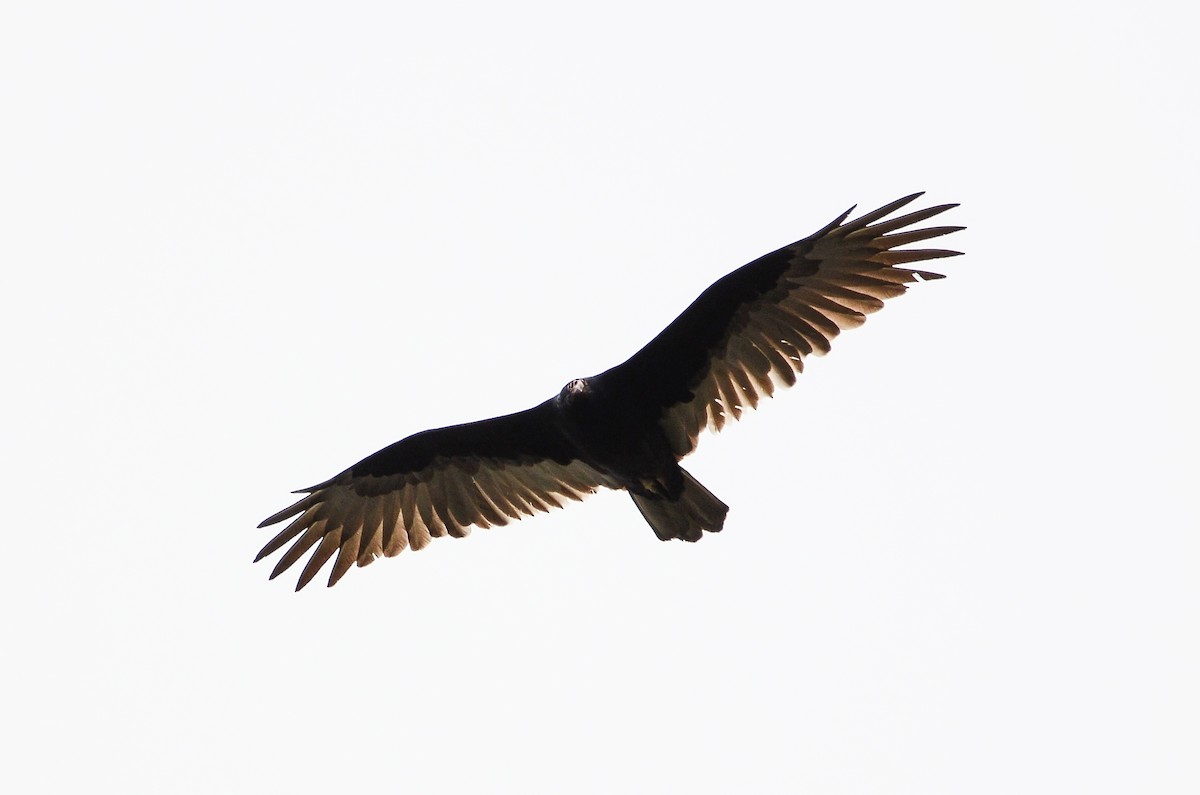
[247, 244]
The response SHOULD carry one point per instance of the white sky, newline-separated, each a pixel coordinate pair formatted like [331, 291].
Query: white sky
[246, 244]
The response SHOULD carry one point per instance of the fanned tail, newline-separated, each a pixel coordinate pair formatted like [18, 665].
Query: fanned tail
[695, 511]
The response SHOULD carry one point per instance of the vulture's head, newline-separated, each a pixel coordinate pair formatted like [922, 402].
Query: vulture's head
[574, 391]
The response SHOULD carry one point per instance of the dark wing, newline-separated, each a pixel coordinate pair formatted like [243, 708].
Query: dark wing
[434, 483]
[751, 330]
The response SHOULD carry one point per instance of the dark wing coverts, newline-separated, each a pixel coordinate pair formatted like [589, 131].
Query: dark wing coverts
[751, 330]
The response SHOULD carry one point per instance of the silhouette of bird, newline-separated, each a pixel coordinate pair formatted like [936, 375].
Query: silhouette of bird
[628, 427]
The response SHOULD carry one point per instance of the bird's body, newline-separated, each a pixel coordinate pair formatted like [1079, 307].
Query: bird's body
[628, 427]
[595, 416]
[612, 439]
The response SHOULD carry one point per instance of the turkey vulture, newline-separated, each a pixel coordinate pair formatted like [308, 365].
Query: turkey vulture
[628, 427]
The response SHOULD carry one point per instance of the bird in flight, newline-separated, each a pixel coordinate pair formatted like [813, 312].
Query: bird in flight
[628, 427]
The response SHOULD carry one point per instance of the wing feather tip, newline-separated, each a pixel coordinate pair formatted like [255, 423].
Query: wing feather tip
[276, 518]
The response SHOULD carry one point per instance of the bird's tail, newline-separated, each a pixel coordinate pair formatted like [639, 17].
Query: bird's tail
[688, 516]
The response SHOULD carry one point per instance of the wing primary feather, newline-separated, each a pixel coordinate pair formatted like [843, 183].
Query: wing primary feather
[528, 494]
[372, 527]
[422, 519]
[781, 366]
[853, 231]
[799, 334]
[816, 319]
[457, 529]
[755, 364]
[904, 256]
[851, 299]
[304, 543]
[294, 529]
[730, 401]
[744, 385]
[501, 490]
[898, 276]
[372, 548]
[841, 316]
[346, 556]
[508, 489]
[533, 487]
[290, 511]
[418, 534]
[712, 417]
[875, 215]
[566, 490]
[809, 339]
[750, 356]
[486, 502]
[461, 509]
[489, 513]
[915, 235]
[408, 507]
[793, 327]
[770, 324]
[394, 537]
[329, 545]
[832, 225]
[437, 525]
[545, 482]
[437, 504]
[845, 317]
[890, 284]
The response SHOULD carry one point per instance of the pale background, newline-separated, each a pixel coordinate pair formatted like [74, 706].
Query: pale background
[246, 244]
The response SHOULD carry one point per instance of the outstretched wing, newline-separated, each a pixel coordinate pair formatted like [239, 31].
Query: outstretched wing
[751, 330]
[434, 483]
